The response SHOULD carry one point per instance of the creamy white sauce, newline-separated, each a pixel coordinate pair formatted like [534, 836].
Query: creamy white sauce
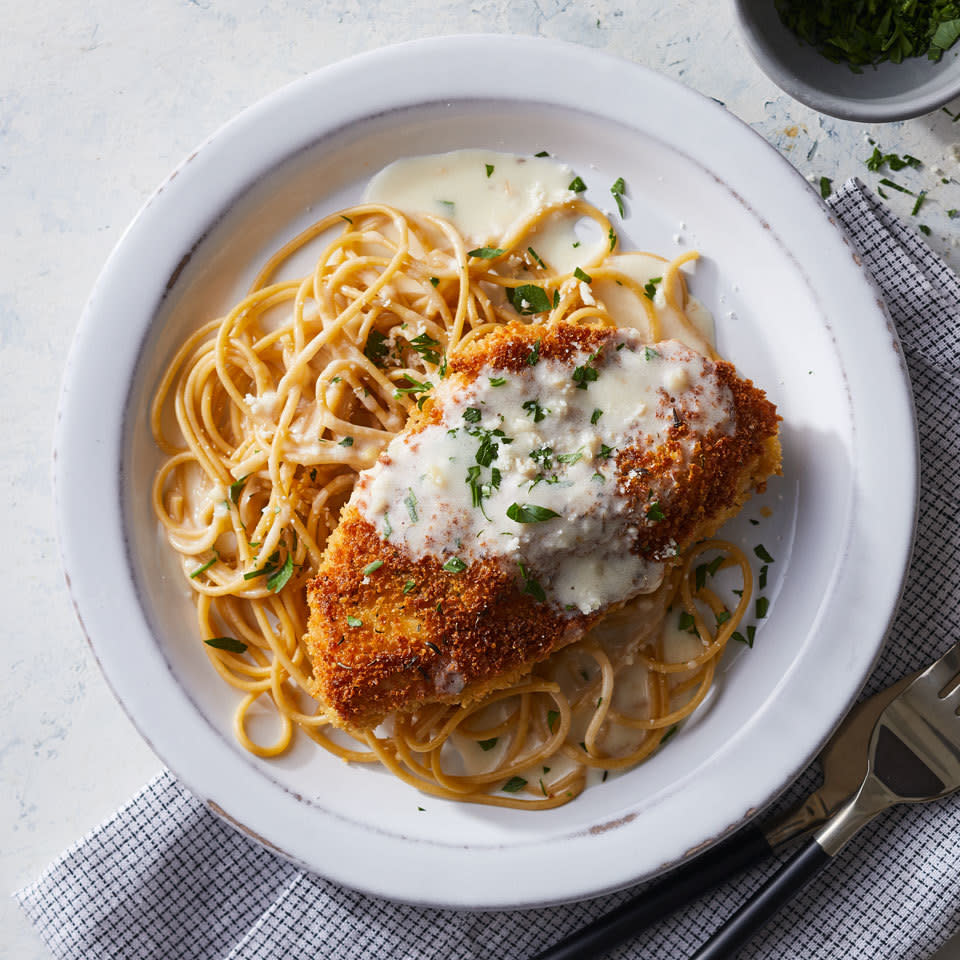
[698, 333]
[485, 208]
[551, 457]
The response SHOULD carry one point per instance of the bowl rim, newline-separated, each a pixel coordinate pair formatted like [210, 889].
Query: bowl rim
[90, 521]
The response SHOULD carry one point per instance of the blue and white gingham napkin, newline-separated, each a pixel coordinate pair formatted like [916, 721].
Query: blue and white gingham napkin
[165, 878]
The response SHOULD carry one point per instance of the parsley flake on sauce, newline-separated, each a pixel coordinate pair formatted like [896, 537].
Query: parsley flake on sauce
[514, 785]
[454, 565]
[487, 744]
[583, 376]
[596, 415]
[354, 622]
[650, 289]
[530, 513]
[533, 357]
[485, 253]
[489, 168]
[580, 275]
[346, 442]
[577, 185]
[371, 567]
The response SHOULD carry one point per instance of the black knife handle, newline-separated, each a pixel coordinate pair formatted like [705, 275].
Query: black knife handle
[677, 889]
[782, 887]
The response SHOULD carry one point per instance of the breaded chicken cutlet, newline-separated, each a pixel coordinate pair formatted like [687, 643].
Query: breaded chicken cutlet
[556, 473]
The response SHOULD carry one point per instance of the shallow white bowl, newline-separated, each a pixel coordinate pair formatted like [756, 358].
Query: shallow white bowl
[889, 91]
[795, 311]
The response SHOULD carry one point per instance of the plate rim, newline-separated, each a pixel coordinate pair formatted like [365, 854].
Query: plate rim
[87, 595]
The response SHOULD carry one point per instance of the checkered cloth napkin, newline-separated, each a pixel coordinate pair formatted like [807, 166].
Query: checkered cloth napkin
[164, 878]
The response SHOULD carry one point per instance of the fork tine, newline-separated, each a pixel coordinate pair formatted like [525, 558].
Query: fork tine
[944, 670]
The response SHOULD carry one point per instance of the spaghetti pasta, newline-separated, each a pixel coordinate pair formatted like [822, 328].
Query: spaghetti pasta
[267, 415]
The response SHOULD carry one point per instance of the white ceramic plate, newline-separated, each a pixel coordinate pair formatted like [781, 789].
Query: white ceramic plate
[794, 311]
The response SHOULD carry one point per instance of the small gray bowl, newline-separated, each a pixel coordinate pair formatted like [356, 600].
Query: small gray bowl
[889, 91]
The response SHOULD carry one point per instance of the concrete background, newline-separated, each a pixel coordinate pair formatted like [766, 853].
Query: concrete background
[99, 100]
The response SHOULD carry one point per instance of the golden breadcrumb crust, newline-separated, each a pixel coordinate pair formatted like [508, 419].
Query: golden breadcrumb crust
[409, 633]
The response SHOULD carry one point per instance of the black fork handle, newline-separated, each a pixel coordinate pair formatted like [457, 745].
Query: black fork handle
[779, 890]
[682, 886]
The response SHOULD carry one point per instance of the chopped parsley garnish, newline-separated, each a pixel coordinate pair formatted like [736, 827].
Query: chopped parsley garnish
[454, 565]
[877, 160]
[449, 205]
[577, 185]
[346, 442]
[435, 281]
[410, 501]
[596, 415]
[669, 734]
[497, 381]
[533, 357]
[343, 216]
[206, 566]
[514, 785]
[409, 586]
[921, 196]
[605, 452]
[552, 717]
[472, 415]
[236, 487]
[650, 289]
[688, 623]
[763, 577]
[583, 376]
[485, 253]
[530, 513]
[376, 348]
[574, 457]
[826, 187]
[722, 617]
[229, 644]
[371, 567]
[650, 354]
[528, 298]
[489, 449]
[387, 526]
[533, 253]
[861, 34]
[487, 744]
[277, 580]
[415, 387]
[751, 634]
[895, 186]
[740, 638]
[426, 346]
[612, 237]
[354, 622]
[533, 409]
[655, 513]
[542, 153]
[761, 551]
[580, 275]
[763, 605]
[924, 229]
[531, 586]
[489, 168]
[618, 190]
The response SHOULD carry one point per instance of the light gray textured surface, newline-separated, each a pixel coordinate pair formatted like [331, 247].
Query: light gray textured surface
[97, 103]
